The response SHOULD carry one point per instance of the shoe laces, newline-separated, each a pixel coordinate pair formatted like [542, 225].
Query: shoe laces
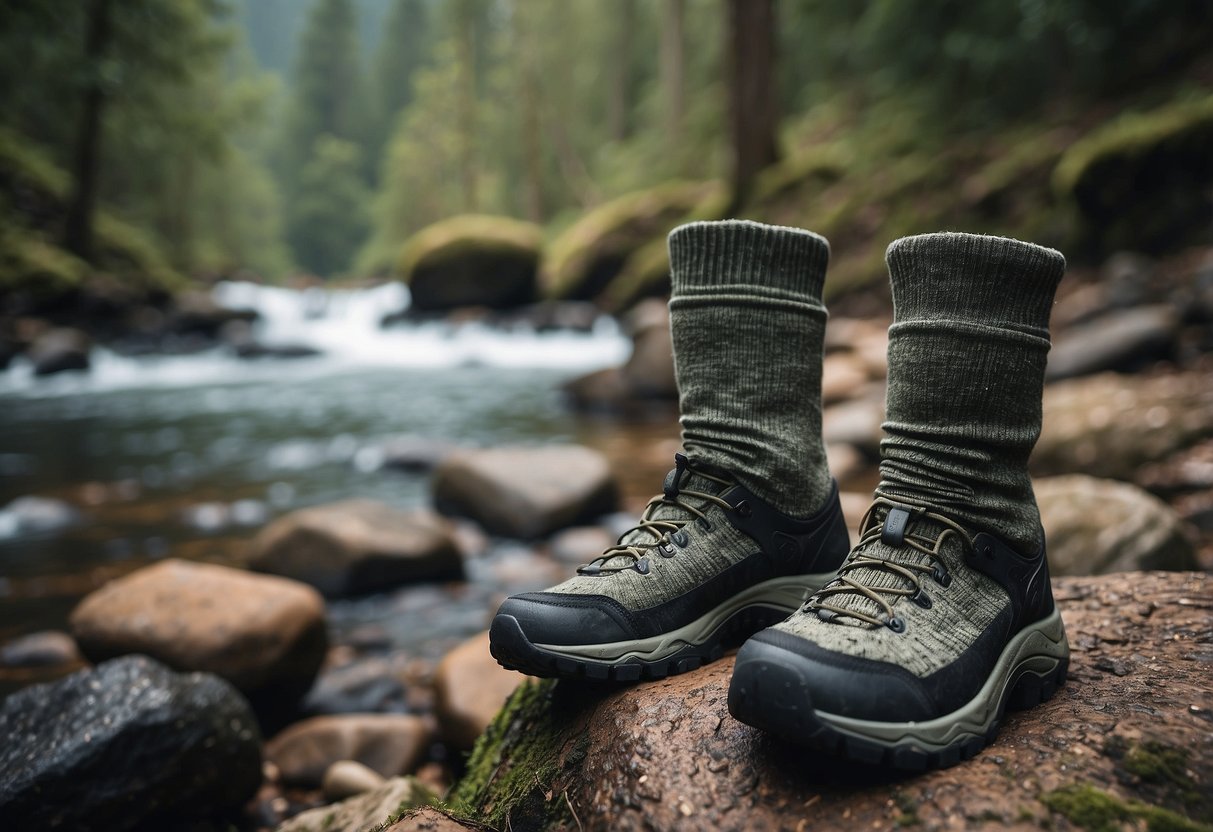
[661, 524]
[900, 530]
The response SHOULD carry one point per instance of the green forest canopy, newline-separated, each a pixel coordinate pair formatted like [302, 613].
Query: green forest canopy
[274, 136]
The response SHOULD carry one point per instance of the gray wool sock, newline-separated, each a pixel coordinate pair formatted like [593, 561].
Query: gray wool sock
[747, 322]
[967, 353]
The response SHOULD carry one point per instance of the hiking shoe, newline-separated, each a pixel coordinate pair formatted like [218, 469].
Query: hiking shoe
[708, 565]
[911, 656]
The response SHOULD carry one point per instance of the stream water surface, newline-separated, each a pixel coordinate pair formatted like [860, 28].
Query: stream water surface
[188, 456]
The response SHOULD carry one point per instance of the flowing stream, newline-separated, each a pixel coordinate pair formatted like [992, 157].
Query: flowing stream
[187, 456]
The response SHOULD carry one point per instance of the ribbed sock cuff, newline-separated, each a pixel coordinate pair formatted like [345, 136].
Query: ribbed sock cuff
[708, 258]
[996, 281]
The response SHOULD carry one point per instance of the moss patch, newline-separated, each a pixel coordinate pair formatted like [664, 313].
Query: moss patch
[1097, 811]
[468, 233]
[522, 792]
[586, 257]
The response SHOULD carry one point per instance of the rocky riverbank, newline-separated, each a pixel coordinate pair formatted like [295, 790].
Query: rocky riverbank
[331, 661]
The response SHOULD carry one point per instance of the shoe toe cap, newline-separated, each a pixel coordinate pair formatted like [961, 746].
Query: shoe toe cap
[840, 684]
[554, 618]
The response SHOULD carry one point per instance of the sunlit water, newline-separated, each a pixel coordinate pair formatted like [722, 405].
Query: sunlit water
[187, 456]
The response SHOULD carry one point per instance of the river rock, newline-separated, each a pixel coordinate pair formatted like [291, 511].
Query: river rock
[526, 492]
[358, 546]
[1129, 731]
[128, 743]
[368, 812]
[857, 422]
[1095, 526]
[470, 688]
[1122, 340]
[1109, 425]
[649, 371]
[372, 684]
[429, 819]
[580, 544]
[48, 648]
[390, 744]
[471, 260]
[60, 350]
[346, 778]
[265, 635]
[843, 374]
[603, 391]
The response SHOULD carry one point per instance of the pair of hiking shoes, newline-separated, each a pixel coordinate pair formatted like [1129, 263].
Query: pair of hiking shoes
[904, 651]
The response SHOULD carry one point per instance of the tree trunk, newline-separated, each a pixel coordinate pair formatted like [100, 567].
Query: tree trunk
[673, 69]
[528, 87]
[620, 116]
[78, 231]
[753, 109]
[467, 104]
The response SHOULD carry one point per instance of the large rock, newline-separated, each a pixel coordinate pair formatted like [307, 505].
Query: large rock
[649, 371]
[47, 648]
[1121, 340]
[471, 260]
[526, 492]
[265, 635]
[358, 546]
[128, 743]
[582, 261]
[1096, 526]
[390, 744]
[1110, 425]
[429, 819]
[471, 687]
[60, 350]
[367, 812]
[1129, 734]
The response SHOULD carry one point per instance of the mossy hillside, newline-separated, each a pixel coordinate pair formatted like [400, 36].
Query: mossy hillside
[34, 267]
[646, 272]
[585, 258]
[1140, 181]
[33, 208]
[471, 259]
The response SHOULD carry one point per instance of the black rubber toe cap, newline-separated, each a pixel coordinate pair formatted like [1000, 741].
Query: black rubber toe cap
[555, 618]
[843, 685]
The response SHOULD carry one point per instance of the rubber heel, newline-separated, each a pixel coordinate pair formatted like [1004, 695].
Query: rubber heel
[1032, 688]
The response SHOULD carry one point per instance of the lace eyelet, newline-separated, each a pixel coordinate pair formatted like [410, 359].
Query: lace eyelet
[704, 524]
[941, 577]
[642, 566]
[743, 508]
[665, 550]
[679, 538]
[987, 550]
[896, 624]
[921, 599]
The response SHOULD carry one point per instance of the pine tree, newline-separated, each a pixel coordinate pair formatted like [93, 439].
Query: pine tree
[403, 49]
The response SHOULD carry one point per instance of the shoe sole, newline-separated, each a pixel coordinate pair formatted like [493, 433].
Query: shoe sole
[678, 651]
[768, 691]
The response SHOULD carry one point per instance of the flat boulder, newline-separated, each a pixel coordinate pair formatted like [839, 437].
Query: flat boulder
[367, 812]
[265, 635]
[1095, 526]
[389, 744]
[526, 492]
[126, 744]
[1125, 339]
[358, 546]
[60, 350]
[470, 688]
[1110, 425]
[471, 260]
[1127, 737]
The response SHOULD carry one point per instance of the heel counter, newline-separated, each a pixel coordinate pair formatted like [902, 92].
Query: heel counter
[795, 547]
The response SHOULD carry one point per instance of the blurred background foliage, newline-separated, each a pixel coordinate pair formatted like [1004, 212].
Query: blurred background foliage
[151, 139]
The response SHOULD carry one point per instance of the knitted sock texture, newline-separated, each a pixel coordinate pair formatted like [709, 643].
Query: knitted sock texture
[967, 352]
[747, 322]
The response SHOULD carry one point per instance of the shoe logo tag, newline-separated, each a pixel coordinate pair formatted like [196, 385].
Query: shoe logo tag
[787, 548]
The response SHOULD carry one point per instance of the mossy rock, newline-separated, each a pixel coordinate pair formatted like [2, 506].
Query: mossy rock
[1141, 181]
[646, 272]
[471, 260]
[583, 260]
